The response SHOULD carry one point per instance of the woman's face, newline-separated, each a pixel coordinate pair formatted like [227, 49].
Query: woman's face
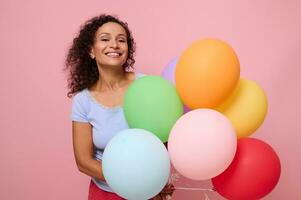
[110, 48]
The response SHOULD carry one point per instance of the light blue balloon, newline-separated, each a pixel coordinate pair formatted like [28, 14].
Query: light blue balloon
[136, 164]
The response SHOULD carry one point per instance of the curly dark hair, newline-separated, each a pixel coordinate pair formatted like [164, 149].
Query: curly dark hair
[83, 71]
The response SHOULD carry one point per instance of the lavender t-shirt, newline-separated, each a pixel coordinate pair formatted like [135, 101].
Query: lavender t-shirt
[106, 123]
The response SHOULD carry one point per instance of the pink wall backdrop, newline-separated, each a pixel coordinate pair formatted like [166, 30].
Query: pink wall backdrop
[35, 146]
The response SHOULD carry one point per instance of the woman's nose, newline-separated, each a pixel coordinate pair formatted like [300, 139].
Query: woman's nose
[113, 44]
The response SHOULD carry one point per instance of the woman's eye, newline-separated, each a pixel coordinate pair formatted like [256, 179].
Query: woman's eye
[122, 41]
[104, 39]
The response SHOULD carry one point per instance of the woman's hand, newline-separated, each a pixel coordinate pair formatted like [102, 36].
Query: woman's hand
[166, 193]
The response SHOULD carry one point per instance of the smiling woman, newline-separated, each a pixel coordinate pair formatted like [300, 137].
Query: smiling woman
[99, 63]
[84, 65]
[110, 47]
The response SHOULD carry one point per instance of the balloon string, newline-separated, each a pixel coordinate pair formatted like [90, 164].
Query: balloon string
[206, 197]
[195, 189]
[174, 177]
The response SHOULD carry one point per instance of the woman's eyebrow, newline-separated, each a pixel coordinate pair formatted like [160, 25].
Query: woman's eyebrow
[103, 34]
[121, 34]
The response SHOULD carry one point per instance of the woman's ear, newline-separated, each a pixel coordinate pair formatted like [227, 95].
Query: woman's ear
[92, 55]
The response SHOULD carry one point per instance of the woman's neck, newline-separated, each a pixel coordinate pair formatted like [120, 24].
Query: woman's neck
[110, 79]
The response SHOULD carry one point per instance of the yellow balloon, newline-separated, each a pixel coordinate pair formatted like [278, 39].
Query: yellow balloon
[246, 108]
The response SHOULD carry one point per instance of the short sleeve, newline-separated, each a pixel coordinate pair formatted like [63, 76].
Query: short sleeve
[80, 107]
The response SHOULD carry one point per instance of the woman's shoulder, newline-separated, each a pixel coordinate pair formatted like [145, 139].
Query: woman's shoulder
[80, 106]
[81, 96]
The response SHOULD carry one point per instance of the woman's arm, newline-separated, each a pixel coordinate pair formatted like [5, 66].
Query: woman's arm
[83, 150]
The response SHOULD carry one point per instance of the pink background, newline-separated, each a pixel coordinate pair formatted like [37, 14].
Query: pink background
[35, 147]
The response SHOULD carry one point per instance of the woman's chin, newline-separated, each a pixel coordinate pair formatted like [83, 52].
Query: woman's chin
[113, 65]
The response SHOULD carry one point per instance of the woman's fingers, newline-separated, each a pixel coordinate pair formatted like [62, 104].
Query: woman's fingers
[169, 189]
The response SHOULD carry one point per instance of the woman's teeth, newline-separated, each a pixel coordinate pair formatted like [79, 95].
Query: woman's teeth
[113, 54]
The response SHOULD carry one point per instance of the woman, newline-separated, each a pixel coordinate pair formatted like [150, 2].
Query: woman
[100, 63]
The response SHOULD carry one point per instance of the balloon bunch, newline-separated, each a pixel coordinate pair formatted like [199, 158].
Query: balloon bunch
[201, 143]
[205, 112]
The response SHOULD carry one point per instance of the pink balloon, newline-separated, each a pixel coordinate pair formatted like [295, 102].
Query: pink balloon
[202, 144]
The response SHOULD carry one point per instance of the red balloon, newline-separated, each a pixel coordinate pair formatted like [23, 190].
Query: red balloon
[253, 173]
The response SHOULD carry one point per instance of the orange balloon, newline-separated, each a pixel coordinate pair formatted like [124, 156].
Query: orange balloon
[206, 73]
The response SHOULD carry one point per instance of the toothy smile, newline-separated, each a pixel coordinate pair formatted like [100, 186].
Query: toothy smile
[113, 54]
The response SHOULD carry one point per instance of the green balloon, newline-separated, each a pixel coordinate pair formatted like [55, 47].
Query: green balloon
[152, 103]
